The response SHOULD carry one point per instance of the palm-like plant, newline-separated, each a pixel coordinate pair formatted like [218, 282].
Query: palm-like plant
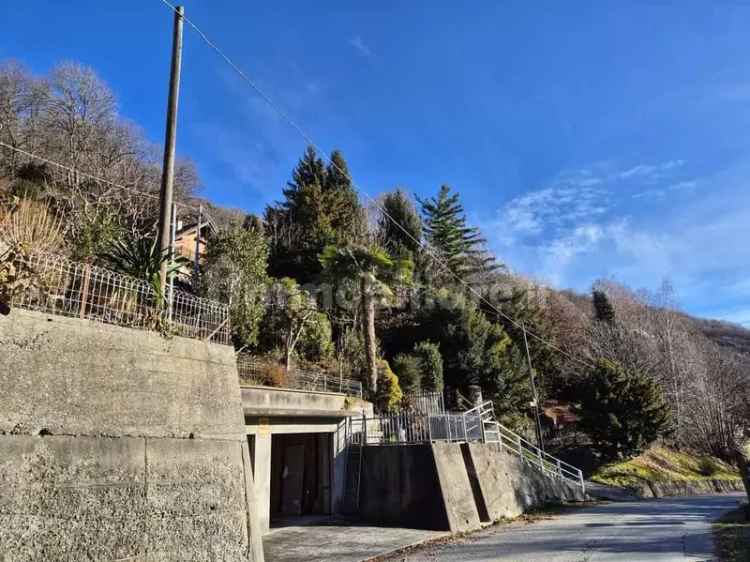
[376, 271]
[140, 258]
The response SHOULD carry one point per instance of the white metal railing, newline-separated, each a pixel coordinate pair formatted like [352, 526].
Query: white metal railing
[475, 425]
[64, 287]
[270, 374]
[552, 466]
[427, 402]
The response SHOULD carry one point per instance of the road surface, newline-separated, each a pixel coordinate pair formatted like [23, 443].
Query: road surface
[672, 529]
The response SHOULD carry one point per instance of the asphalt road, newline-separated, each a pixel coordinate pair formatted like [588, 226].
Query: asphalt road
[662, 530]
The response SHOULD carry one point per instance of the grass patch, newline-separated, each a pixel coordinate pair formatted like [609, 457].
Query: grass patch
[660, 464]
[732, 536]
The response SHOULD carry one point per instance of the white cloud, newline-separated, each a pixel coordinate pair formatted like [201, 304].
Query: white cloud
[652, 172]
[358, 43]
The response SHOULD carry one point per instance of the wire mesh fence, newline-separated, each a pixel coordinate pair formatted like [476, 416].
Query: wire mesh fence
[64, 287]
[253, 371]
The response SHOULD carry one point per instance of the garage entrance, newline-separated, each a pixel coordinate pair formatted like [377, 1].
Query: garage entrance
[300, 475]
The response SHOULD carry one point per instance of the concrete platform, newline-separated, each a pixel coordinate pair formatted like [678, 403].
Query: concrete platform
[335, 543]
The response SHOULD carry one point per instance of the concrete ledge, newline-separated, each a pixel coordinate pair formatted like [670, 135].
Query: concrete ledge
[272, 401]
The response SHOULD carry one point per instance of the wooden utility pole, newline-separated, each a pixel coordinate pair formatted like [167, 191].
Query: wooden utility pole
[196, 264]
[539, 439]
[170, 140]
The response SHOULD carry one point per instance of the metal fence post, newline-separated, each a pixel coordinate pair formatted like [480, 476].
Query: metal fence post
[364, 428]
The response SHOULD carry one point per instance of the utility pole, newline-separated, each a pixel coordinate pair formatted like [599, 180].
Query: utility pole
[196, 264]
[170, 140]
[539, 440]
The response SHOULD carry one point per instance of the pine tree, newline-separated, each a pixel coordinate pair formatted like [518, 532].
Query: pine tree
[446, 231]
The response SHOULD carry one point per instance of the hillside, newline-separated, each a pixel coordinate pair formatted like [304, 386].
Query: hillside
[661, 464]
[726, 334]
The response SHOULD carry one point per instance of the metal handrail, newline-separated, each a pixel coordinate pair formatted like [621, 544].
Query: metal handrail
[527, 451]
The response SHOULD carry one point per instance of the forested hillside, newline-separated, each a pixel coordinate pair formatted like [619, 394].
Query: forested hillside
[403, 294]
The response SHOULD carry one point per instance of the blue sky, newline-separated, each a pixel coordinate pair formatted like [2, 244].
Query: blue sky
[588, 139]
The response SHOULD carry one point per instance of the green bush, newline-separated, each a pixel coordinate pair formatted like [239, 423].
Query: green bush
[389, 394]
[408, 368]
[431, 365]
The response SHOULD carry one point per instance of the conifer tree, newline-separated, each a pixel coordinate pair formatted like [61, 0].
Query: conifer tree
[400, 226]
[603, 309]
[622, 411]
[320, 207]
[446, 231]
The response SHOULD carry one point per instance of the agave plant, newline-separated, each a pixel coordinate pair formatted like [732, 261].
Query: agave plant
[140, 258]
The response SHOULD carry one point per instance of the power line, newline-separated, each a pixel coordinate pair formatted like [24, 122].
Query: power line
[90, 176]
[308, 139]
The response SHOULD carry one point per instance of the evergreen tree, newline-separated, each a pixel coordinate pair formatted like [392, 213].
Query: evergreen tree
[475, 351]
[603, 309]
[400, 227]
[622, 411]
[446, 231]
[320, 207]
[431, 365]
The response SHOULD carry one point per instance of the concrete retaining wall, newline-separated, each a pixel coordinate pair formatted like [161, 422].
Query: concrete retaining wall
[455, 487]
[118, 443]
[511, 487]
[400, 486]
[681, 488]
[430, 486]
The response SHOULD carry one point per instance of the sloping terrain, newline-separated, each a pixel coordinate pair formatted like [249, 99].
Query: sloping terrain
[660, 464]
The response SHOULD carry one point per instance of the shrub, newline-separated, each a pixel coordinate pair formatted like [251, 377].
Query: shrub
[622, 411]
[408, 368]
[389, 394]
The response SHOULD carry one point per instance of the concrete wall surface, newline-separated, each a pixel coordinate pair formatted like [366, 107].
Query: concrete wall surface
[511, 487]
[430, 486]
[457, 495]
[400, 486]
[120, 444]
[270, 401]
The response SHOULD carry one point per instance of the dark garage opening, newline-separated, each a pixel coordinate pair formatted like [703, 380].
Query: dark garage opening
[300, 476]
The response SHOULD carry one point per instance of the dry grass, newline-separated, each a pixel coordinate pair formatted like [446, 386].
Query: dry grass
[31, 227]
[660, 464]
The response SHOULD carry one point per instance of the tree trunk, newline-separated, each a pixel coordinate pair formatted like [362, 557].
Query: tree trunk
[368, 331]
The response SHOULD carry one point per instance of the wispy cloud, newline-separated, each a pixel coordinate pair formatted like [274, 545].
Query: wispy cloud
[651, 172]
[358, 43]
[569, 233]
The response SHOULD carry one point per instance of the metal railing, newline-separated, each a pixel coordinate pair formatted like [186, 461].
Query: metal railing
[427, 402]
[253, 372]
[475, 425]
[552, 466]
[64, 287]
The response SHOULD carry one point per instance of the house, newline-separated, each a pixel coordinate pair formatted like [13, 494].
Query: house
[189, 235]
